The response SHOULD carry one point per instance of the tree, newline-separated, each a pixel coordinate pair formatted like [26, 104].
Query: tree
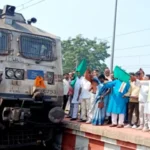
[78, 48]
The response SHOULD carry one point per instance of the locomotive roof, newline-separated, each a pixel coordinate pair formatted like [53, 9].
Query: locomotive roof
[22, 26]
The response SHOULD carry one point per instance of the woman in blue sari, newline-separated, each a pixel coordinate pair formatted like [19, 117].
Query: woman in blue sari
[100, 103]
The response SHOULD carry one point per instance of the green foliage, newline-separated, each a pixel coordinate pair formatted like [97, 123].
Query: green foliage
[78, 48]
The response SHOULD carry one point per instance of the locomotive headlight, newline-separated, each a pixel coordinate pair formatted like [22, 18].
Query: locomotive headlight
[10, 73]
[19, 74]
[13, 73]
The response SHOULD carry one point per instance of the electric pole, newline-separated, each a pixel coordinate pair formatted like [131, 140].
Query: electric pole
[113, 40]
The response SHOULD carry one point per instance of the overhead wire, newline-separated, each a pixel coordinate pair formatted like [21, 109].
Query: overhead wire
[25, 3]
[132, 32]
[133, 56]
[123, 34]
[31, 5]
[133, 47]
[135, 66]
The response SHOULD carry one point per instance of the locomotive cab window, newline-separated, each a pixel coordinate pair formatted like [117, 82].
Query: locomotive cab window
[37, 48]
[4, 42]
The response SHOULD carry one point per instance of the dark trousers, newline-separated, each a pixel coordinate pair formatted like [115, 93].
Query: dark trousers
[126, 114]
[131, 108]
[71, 106]
[65, 100]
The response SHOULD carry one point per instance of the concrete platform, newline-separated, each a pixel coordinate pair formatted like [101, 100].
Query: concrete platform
[128, 138]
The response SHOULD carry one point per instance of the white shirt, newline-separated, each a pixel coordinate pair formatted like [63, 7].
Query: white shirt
[85, 85]
[143, 94]
[66, 86]
[137, 83]
[76, 90]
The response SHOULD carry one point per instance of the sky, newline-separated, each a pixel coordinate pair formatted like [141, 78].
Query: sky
[94, 18]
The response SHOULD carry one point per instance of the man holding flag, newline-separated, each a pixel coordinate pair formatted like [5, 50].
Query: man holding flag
[77, 88]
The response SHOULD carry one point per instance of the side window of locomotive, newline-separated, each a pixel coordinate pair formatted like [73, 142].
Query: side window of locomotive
[50, 77]
[4, 42]
[36, 47]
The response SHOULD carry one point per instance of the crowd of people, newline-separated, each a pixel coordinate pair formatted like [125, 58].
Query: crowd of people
[100, 99]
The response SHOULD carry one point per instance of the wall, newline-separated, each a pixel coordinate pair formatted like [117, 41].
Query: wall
[77, 140]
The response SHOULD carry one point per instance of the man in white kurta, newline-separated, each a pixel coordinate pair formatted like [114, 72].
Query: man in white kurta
[85, 99]
[76, 96]
[143, 106]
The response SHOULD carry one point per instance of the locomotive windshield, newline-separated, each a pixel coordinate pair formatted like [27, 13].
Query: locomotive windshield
[36, 47]
[4, 42]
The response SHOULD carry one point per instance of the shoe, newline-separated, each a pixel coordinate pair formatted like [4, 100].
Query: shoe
[140, 127]
[126, 121]
[68, 116]
[145, 129]
[128, 126]
[106, 118]
[113, 125]
[134, 127]
[73, 119]
[88, 122]
[120, 126]
[107, 122]
[82, 120]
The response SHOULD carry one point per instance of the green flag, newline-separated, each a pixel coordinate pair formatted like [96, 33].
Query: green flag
[121, 74]
[81, 68]
[73, 81]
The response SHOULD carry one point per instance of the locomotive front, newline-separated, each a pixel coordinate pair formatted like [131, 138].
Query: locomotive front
[31, 88]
